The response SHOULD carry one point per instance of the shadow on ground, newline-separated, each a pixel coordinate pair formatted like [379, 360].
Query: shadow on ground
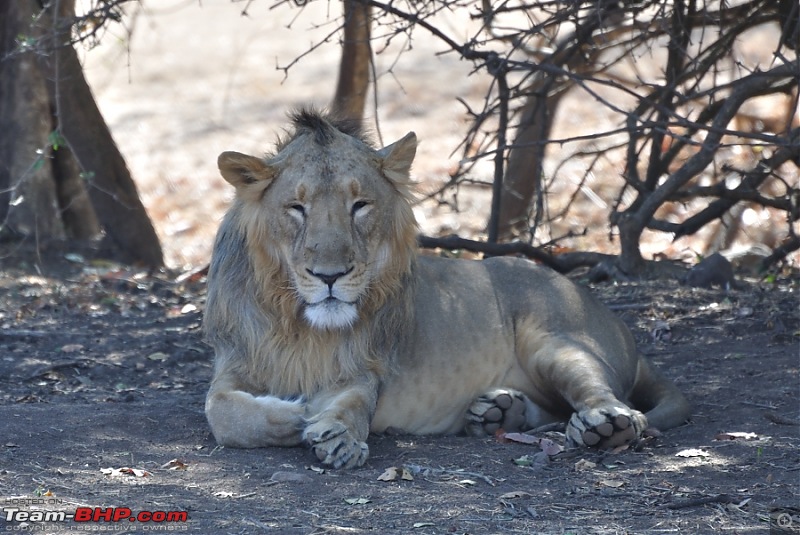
[103, 367]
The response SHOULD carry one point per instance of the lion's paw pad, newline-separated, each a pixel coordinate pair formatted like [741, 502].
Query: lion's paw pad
[498, 409]
[605, 428]
[335, 445]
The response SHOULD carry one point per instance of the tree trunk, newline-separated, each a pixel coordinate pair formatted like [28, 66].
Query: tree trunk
[54, 143]
[77, 212]
[351, 89]
[524, 172]
[28, 204]
[110, 188]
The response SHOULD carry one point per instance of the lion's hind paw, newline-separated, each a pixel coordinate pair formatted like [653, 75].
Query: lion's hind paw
[605, 428]
[498, 409]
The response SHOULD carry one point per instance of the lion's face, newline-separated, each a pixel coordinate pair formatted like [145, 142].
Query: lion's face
[326, 208]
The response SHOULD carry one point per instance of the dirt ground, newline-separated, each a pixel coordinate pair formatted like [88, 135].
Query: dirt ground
[103, 374]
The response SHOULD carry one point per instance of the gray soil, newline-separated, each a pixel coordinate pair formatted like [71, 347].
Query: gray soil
[102, 367]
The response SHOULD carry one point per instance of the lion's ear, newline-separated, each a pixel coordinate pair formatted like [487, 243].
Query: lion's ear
[397, 158]
[248, 174]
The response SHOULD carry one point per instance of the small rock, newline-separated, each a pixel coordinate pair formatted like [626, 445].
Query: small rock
[714, 270]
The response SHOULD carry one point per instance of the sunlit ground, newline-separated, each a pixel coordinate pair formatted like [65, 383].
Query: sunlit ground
[199, 78]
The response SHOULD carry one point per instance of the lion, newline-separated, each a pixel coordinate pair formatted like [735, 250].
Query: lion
[327, 325]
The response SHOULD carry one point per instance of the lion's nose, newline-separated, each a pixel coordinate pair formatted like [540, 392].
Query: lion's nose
[329, 278]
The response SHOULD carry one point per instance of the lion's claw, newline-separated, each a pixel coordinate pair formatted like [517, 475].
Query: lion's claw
[605, 428]
[333, 444]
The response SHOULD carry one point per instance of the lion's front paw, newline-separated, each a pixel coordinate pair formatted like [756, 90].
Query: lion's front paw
[335, 445]
[497, 409]
[605, 428]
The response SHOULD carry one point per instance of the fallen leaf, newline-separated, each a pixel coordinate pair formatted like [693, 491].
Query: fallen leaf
[174, 464]
[317, 469]
[550, 447]
[584, 465]
[125, 471]
[418, 525]
[736, 435]
[613, 483]
[692, 452]
[393, 473]
[159, 356]
[515, 494]
[390, 474]
[468, 482]
[72, 348]
[522, 438]
[523, 461]
[223, 494]
[537, 459]
[357, 501]
[738, 506]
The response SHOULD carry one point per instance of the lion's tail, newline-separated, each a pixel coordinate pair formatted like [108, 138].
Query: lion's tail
[660, 400]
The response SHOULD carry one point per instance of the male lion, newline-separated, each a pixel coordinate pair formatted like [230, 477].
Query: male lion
[326, 325]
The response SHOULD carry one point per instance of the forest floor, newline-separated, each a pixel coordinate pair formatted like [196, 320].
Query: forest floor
[103, 371]
[102, 381]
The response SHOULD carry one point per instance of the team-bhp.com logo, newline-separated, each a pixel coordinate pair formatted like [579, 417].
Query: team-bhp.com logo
[96, 514]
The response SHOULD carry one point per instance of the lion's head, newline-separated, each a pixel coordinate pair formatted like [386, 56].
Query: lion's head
[327, 218]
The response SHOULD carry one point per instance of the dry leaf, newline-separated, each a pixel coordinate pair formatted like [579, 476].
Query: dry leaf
[72, 348]
[613, 483]
[692, 452]
[522, 438]
[418, 525]
[523, 461]
[188, 308]
[357, 501]
[390, 474]
[584, 465]
[174, 464]
[159, 356]
[736, 435]
[393, 473]
[125, 471]
[549, 447]
[537, 459]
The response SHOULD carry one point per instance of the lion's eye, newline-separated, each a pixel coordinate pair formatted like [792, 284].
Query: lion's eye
[297, 210]
[359, 207]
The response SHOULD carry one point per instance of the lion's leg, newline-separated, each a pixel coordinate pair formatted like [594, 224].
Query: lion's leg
[241, 420]
[337, 433]
[506, 409]
[572, 371]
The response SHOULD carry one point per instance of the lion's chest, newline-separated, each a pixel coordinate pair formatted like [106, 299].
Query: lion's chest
[306, 366]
